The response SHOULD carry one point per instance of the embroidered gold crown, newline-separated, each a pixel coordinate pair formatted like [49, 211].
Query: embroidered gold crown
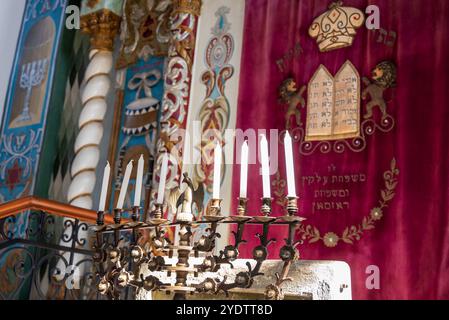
[336, 28]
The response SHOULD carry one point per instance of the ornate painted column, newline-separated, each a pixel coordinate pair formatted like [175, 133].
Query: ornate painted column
[101, 20]
[175, 105]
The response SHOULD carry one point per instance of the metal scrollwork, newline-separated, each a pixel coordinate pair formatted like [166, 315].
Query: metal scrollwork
[51, 265]
[148, 265]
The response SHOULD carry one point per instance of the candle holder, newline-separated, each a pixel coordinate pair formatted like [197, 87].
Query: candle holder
[292, 206]
[135, 217]
[118, 216]
[266, 206]
[266, 211]
[156, 215]
[152, 259]
[100, 218]
[242, 208]
[136, 214]
[213, 212]
[241, 211]
[292, 211]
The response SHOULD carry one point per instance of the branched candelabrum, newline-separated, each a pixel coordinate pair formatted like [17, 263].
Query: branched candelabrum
[32, 75]
[120, 265]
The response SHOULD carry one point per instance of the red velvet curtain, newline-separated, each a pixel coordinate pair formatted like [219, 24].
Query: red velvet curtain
[410, 242]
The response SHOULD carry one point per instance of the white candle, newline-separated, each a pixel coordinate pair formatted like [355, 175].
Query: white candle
[104, 188]
[244, 171]
[162, 180]
[139, 180]
[125, 183]
[288, 147]
[265, 167]
[217, 172]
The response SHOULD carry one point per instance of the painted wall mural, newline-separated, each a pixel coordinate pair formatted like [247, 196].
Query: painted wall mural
[25, 114]
[175, 104]
[215, 110]
[213, 101]
[28, 97]
[145, 30]
[143, 92]
[145, 38]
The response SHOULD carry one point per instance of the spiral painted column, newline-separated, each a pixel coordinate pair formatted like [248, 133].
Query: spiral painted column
[102, 23]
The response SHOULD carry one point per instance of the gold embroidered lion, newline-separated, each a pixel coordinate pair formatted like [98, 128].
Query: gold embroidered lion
[384, 77]
[290, 95]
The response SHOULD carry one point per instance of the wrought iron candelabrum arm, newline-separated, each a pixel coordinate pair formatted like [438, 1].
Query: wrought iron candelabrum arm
[139, 264]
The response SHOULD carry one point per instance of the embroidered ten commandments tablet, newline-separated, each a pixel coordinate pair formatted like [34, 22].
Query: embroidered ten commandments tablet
[333, 108]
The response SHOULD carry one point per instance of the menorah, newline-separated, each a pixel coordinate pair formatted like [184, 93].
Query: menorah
[120, 265]
[32, 75]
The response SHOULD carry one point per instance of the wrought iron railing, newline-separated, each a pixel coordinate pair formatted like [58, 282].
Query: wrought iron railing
[46, 252]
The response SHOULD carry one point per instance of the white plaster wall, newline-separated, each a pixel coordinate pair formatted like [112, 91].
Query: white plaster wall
[11, 12]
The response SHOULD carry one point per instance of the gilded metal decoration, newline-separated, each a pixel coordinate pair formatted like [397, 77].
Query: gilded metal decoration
[290, 95]
[354, 233]
[336, 28]
[383, 77]
[145, 30]
[333, 106]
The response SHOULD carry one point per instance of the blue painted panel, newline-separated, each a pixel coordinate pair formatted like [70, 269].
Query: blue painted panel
[28, 97]
[144, 90]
